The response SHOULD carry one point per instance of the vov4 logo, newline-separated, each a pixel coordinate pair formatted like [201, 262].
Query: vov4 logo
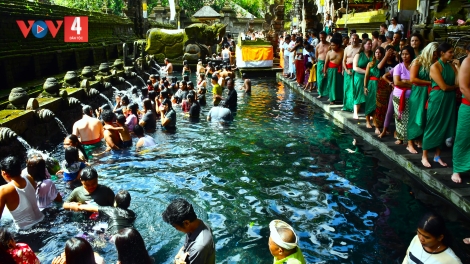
[75, 28]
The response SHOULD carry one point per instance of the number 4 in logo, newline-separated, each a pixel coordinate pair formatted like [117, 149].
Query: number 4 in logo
[75, 29]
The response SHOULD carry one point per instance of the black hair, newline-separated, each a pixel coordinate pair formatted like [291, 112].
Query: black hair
[382, 38]
[88, 173]
[79, 251]
[36, 167]
[11, 165]
[144, 92]
[5, 239]
[121, 119]
[435, 225]
[131, 247]
[147, 104]
[375, 34]
[167, 101]
[134, 109]
[337, 41]
[353, 31]
[125, 99]
[108, 116]
[314, 33]
[468, 47]
[191, 84]
[174, 79]
[185, 62]
[244, 75]
[134, 90]
[178, 211]
[411, 51]
[149, 82]
[138, 130]
[74, 139]
[164, 94]
[71, 155]
[383, 25]
[398, 33]
[214, 78]
[105, 107]
[444, 47]
[87, 110]
[191, 96]
[309, 65]
[365, 36]
[123, 199]
[152, 76]
[322, 33]
[152, 95]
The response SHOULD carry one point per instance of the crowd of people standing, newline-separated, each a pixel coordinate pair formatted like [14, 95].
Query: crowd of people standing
[419, 85]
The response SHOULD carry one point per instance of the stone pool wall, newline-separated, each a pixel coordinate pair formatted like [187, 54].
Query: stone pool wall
[26, 59]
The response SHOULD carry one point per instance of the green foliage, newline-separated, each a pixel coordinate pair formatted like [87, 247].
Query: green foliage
[92, 5]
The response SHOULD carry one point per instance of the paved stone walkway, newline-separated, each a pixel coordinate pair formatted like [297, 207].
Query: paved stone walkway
[436, 177]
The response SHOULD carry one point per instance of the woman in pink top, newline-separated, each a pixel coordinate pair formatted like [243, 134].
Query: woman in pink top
[46, 192]
[132, 118]
[401, 94]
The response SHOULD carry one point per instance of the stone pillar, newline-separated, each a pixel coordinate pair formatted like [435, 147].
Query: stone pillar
[158, 11]
[228, 14]
[309, 16]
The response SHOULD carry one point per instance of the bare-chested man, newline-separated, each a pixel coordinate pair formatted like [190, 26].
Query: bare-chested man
[333, 71]
[349, 53]
[320, 53]
[168, 67]
[388, 38]
[88, 129]
[246, 84]
[112, 138]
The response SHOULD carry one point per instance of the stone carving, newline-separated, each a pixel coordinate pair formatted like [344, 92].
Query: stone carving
[70, 79]
[104, 69]
[72, 101]
[51, 86]
[32, 104]
[7, 135]
[87, 73]
[190, 44]
[118, 64]
[45, 115]
[18, 98]
[93, 92]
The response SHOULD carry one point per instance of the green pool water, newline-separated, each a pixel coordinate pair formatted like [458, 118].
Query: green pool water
[281, 158]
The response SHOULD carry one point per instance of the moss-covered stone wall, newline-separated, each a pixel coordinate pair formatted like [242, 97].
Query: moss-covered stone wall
[24, 59]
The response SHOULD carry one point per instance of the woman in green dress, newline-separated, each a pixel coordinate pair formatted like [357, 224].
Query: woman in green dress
[421, 82]
[371, 81]
[441, 116]
[359, 66]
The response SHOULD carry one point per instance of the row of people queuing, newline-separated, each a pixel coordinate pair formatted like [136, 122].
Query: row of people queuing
[417, 85]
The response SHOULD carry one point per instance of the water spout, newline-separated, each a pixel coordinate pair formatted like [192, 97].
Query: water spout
[147, 73]
[130, 84]
[116, 89]
[23, 142]
[142, 80]
[107, 99]
[62, 127]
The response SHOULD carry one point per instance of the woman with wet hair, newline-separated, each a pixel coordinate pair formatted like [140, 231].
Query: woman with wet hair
[78, 251]
[441, 118]
[46, 191]
[14, 253]
[431, 243]
[72, 141]
[131, 247]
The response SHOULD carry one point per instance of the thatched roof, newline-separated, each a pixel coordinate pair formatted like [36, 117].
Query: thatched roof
[206, 12]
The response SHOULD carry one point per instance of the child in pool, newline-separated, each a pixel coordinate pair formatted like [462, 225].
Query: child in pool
[123, 131]
[12, 252]
[119, 215]
[71, 168]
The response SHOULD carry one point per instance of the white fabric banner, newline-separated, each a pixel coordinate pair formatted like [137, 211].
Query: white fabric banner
[172, 9]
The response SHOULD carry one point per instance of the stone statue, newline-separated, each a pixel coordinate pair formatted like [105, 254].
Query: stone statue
[190, 44]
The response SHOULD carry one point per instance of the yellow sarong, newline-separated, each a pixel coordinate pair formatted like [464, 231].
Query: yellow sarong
[313, 74]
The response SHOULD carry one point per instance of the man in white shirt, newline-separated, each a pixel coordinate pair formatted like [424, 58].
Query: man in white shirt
[286, 52]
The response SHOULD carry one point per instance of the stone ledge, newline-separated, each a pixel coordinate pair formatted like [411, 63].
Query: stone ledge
[436, 178]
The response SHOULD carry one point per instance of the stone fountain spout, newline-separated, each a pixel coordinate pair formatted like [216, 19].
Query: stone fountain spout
[7, 135]
[18, 98]
[51, 88]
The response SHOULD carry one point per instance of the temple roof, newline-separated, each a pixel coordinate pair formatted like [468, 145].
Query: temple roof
[206, 12]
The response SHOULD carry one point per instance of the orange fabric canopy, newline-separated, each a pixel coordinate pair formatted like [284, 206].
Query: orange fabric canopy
[257, 53]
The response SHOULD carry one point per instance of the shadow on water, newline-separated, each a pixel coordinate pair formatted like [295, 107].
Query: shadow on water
[281, 158]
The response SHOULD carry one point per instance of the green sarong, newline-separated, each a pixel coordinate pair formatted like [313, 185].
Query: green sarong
[358, 86]
[371, 97]
[461, 152]
[441, 116]
[320, 83]
[90, 148]
[334, 84]
[348, 97]
[418, 98]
